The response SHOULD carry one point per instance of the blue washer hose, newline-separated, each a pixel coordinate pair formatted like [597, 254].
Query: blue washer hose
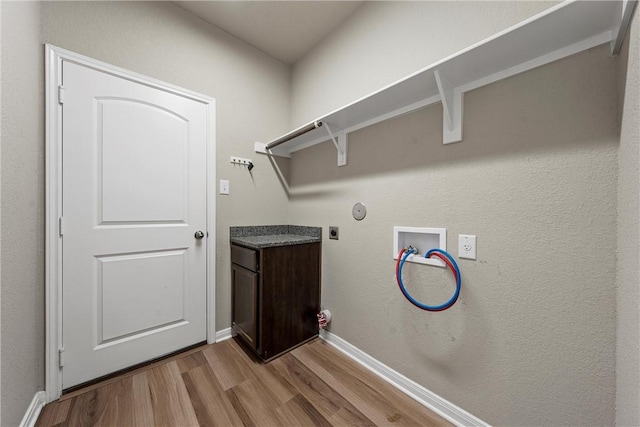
[417, 303]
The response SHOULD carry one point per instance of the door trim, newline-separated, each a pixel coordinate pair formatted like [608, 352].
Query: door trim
[53, 200]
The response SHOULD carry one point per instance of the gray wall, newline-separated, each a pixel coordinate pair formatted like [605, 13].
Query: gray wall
[22, 210]
[628, 333]
[532, 339]
[385, 41]
[160, 40]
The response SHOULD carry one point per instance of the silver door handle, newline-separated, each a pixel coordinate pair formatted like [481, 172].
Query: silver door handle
[199, 235]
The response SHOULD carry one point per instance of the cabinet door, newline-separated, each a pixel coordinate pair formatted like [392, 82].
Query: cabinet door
[290, 297]
[245, 300]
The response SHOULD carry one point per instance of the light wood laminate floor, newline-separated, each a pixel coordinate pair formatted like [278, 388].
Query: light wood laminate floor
[221, 385]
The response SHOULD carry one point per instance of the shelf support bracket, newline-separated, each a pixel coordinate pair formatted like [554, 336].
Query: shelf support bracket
[451, 98]
[341, 144]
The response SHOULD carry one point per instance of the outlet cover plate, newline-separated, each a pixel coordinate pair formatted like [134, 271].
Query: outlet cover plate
[334, 233]
[467, 246]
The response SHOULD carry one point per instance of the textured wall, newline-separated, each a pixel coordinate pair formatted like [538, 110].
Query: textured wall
[532, 339]
[22, 210]
[160, 40]
[384, 41]
[628, 338]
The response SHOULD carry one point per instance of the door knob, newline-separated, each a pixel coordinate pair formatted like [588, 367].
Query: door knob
[199, 235]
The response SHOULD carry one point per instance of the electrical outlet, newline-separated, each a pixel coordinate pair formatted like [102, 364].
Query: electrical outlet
[333, 232]
[467, 246]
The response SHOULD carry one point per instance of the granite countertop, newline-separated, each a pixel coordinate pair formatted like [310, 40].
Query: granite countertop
[266, 236]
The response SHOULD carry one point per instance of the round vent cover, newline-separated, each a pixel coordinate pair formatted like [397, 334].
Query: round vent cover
[359, 211]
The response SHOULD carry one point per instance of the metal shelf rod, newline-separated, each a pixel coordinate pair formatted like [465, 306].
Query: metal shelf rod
[294, 134]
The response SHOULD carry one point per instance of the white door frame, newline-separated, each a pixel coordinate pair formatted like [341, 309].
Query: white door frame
[53, 161]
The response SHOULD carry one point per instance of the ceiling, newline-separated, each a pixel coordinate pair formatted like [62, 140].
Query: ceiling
[285, 30]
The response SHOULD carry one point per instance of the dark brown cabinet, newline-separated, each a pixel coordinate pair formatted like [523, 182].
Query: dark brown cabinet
[276, 296]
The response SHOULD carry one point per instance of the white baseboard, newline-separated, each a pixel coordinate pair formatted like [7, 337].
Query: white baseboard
[222, 335]
[437, 404]
[33, 411]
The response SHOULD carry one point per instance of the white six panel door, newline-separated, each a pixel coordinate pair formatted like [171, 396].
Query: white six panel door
[134, 196]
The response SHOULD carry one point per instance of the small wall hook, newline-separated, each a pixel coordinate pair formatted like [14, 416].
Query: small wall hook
[250, 166]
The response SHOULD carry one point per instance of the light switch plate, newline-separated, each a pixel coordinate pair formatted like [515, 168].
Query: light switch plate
[467, 246]
[224, 186]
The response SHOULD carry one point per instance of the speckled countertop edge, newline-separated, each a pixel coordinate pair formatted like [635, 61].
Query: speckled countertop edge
[265, 236]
